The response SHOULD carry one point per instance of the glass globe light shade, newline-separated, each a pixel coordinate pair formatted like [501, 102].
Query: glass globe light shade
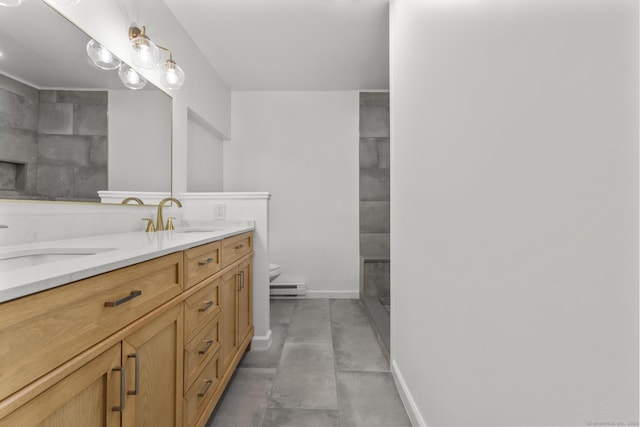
[130, 77]
[145, 54]
[171, 75]
[11, 3]
[65, 2]
[101, 56]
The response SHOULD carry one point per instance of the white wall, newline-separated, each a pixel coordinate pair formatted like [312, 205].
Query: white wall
[204, 156]
[302, 147]
[141, 166]
[514, 210]
[242, 207]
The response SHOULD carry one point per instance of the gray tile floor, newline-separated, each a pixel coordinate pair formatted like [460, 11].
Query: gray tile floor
[324, 369]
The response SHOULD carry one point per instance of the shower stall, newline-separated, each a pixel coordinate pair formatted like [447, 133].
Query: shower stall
[375, 289]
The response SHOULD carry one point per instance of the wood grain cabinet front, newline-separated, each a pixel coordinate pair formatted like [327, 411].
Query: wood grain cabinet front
[201, 262]
[236, 247]
[236, 319]
[83, 399]
[44, 330]
[133, 383]
[152, 344]
[201, 307]
[198, 398]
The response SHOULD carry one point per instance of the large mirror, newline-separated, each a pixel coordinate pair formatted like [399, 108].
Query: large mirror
[67, 128]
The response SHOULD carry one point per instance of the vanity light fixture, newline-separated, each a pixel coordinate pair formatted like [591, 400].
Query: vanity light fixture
[11, 3]
[145, 53]
[130, 77]
[171, 75]
[101, 56]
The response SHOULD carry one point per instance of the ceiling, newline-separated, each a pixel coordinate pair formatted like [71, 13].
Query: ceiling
[291, 44]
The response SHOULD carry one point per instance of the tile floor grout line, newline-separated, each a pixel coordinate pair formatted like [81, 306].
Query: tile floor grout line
[286, 335]
[335, 371]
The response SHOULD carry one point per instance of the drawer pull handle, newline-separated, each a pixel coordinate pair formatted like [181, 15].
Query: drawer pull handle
[207, 347]
[207, 306]
[129, 297]
[206, 389]
[137, 386]
[207, 262]
[239, 247]
[122, 381]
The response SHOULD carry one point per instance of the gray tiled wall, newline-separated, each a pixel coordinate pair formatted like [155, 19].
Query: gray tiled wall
[72, 144]
[374, 194]
[53, 144]
[374, 174]
[18, 136]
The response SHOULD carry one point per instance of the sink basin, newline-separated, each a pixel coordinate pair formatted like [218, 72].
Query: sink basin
[32, 257]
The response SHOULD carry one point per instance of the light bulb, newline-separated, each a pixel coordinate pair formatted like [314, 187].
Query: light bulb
[145, 52]
[65, 2]
[101, 56]
[171, 75]
[11, 3]
[130, 77]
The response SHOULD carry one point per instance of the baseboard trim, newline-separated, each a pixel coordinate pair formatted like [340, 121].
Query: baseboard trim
[333, 294]
[261, 342]
[409, 404]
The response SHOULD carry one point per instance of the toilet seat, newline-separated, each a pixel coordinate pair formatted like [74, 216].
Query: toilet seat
[274, 271]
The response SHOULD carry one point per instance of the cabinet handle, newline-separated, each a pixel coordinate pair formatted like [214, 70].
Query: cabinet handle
[207, 306]
[239, 288]
[137, 386]
[242, 280]
[206, 389]
[122, 381]
[129, 297]
[207, 347]
[207, 262]
[240, 246]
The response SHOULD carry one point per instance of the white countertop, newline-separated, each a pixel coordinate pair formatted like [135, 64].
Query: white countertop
[123, 250]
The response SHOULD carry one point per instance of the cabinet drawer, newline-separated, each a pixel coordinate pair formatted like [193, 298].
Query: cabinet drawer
[41, 331]
[201, 307]
[199, 351]
[201, 262]
[201, 392]
[234, 248]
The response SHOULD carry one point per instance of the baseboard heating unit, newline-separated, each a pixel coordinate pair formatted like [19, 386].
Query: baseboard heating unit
[287, 290]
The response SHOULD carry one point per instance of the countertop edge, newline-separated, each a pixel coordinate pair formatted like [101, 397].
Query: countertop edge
[24, 285]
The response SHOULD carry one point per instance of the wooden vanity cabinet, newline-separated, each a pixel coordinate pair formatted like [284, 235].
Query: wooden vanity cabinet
[237, 324]
[152, 356]
[137, 376]
[82, 399]
[222, 328]
[153, 344]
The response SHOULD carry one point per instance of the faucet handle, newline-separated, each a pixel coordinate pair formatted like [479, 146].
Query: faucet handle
[150, 227]
[170, 223]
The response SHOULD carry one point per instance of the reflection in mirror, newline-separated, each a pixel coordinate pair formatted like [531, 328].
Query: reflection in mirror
[67, 128]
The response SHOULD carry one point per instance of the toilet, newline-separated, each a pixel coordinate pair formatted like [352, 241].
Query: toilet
[274, 272]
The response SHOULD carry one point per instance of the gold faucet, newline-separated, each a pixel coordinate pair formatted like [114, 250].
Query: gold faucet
[131, 199]
[159, 224]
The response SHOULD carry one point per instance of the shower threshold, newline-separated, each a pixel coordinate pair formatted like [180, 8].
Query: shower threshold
[378, 310]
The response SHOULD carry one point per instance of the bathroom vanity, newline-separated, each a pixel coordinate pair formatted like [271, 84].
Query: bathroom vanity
[146, 331]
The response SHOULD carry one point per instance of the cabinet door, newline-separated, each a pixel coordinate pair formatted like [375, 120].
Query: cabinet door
[245, 300]
[152, 356]
[228, 336]
[85, 398]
